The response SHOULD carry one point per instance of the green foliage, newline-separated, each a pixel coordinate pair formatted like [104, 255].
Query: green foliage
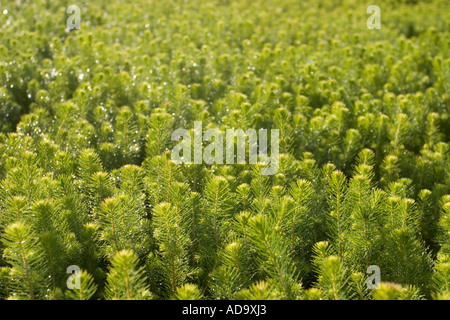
[258, 291]
[393, 291]
[125, 280]
[274, 257]
[159, 133]
[86, 176]
[171, 261]
[86, 290]
[188, 292]
[332, 274]
[28, 273]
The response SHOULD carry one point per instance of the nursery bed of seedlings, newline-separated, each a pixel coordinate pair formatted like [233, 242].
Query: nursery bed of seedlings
[94, 206]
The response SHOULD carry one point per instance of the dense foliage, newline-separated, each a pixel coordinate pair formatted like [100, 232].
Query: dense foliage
[86, 176]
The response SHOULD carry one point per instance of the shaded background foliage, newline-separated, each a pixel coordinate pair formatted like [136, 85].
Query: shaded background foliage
[86, 176]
